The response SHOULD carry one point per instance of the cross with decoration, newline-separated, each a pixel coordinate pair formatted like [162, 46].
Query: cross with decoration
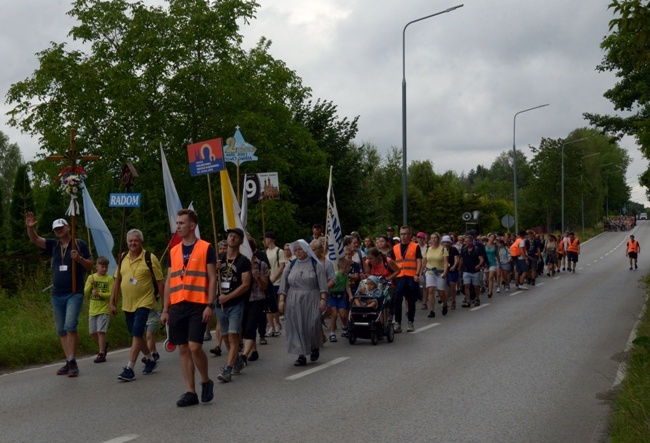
[72, 178]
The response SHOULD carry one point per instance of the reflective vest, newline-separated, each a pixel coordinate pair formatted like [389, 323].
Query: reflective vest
[573, 245]
[408, 264]
[191, 282]
[560, 247]
[633, 246]
[514, 247]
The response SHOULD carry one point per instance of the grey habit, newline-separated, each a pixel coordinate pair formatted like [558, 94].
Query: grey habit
[302, 288]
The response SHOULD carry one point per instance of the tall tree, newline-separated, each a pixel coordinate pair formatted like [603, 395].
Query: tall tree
[22, 201]
[10, 159]
[627, 50]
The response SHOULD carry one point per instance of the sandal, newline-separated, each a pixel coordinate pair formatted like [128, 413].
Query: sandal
[424, 307]
[263, 340]
[477, 302]
[453, 305]
[489, 295]
[301, 361]
[465, 304]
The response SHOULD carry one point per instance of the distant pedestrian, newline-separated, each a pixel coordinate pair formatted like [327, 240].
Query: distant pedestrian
[98, 290]
[573, 251]
[633, 251]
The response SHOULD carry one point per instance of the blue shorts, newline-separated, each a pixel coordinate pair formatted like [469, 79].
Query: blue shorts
[472, 278]
[521, 266]
[136, 321]
[338, 302]
[230, 318]
[452, 277]
[66, 310]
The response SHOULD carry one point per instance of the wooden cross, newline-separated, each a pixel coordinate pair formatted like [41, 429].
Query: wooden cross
[73, 156]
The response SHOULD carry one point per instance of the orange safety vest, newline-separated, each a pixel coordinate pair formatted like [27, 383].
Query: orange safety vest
[633, 246]
[560, 246]
[573, 245]
[514, 247]
[408, 264]
[189, 283]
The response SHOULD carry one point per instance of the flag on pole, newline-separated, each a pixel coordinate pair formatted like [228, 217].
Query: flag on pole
[231, 211]
[244, 207]
[197, 233]
[334, 233]
[171, 196]
[102, 237]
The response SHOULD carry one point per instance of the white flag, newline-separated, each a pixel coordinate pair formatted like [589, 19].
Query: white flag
[334, 233]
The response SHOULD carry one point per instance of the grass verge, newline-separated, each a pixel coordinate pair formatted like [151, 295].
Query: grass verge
[631, 418]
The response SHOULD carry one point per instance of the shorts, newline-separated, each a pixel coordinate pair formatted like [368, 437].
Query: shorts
[473, 278]
[572, 257]
[436, 280]
[98, 323]
[505, 267]
[492, 268]
[230, 318]
[521, 266]
[66, 310]
[152, 320]
[338, 302]
[452, 277]
[186, 323]
[532, 264]
[632, 255]
[136, 321]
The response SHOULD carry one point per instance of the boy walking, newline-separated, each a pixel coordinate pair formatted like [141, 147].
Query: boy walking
[98, 288]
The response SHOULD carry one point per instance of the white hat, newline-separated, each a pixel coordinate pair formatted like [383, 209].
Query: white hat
[59, 223]
[446, 238]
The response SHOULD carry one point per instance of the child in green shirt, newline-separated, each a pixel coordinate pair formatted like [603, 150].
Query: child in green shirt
[98, 288]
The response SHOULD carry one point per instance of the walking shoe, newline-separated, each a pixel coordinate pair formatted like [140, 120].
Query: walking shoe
[345, 333]
[216, 351]
[254, 356]
[278, 330]
[564, 269]
[263, 340]
[73, 370]
[188, 399]
[207, 391]
[333, 337]
[156, 356]
[498, 289]
[207, 336]
[507, 289]
[270, 332]
[630, 268]
[315, 354]
[127, 374]
[636, 266]
[149, 366]
[226, 374]
[431, 314]
[445, 310]
[64, 369]
[533, 283]
[101, 358]
[397, 328]
[410, 327]
[240, 364]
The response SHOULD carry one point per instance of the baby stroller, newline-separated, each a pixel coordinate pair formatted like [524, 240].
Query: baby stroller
[371, 322]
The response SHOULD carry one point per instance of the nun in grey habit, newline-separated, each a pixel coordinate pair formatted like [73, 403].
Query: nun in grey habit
[303, 291]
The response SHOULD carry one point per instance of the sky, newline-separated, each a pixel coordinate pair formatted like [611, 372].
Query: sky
[468, 71]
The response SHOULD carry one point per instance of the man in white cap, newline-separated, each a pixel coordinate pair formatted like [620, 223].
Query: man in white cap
[66, 303]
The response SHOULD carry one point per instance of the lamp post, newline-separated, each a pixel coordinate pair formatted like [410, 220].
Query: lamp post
[514, 158]
[563, 145]
[404, 170]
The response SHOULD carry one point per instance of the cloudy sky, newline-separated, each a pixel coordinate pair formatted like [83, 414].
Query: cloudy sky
[467, 71]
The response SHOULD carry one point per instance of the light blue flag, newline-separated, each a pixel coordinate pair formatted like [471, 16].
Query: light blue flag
[102, 237]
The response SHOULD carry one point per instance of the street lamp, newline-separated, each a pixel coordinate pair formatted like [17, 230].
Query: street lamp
[514, 158]
[563, 145]
[404, 181]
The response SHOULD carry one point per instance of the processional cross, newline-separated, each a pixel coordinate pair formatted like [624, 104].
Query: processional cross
[73, 156]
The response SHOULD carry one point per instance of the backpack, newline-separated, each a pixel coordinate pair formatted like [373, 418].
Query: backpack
[314, 263]
[147, 260]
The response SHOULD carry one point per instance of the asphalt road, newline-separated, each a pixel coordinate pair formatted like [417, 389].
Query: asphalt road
[529, 366]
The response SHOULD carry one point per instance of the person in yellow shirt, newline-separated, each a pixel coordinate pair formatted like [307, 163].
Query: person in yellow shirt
[134, 279]
[98, 288]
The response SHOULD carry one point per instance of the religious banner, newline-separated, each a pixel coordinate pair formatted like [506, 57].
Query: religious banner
[263, 186]
[238, 150]
[334, 232]
[205, 157]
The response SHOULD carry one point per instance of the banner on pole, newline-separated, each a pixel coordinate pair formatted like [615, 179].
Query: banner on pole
[334, 232]
[264, 186]
[238, 150]
[124, 200]
[205, 157]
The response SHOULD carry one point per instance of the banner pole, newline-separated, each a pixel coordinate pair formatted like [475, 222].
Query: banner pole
[263, 223]
[214, 223]
[238, 198]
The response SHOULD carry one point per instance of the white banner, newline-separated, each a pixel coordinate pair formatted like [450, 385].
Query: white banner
[334, 232]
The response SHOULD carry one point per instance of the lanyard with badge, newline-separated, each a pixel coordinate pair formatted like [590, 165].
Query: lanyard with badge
[225, 282]
[63, 267]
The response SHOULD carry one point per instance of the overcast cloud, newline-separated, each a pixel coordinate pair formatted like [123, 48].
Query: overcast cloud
[468, 71]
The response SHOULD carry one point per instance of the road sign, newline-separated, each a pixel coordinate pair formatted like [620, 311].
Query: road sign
[205, 157]
[126, 200]
[507, 221]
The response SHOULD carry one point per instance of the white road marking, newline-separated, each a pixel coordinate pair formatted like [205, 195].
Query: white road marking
[588, 264]
[601, 257]
[479, 307]
[515, 293]
[579, 269]
[336, 361]
[424, 328]
[539, 284]
[555, 278]
[123, 438]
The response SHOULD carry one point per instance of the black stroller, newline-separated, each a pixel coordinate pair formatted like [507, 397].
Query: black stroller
[371, 322]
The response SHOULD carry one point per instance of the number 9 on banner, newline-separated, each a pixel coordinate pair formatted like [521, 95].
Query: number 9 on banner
[252, 187]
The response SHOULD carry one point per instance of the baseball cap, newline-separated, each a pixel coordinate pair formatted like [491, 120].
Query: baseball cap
[390, 228]
[237, 231]
[269, 234]
[446, 238]
[59, 223]
[422, 235]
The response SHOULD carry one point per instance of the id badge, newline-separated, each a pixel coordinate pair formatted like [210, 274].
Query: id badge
[63, 268]
[133, 281]
[225, 285]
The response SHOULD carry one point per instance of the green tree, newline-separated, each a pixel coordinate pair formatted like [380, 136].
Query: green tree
[22, 201]
[10, 159]
[626, 54]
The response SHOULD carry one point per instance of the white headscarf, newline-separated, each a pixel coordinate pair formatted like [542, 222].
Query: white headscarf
[305, 247]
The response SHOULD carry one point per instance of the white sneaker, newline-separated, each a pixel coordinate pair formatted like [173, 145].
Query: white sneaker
[278, 330]
[498, 290]
[269, 332]
[524, 287]
[507, 288]
[410, 327]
